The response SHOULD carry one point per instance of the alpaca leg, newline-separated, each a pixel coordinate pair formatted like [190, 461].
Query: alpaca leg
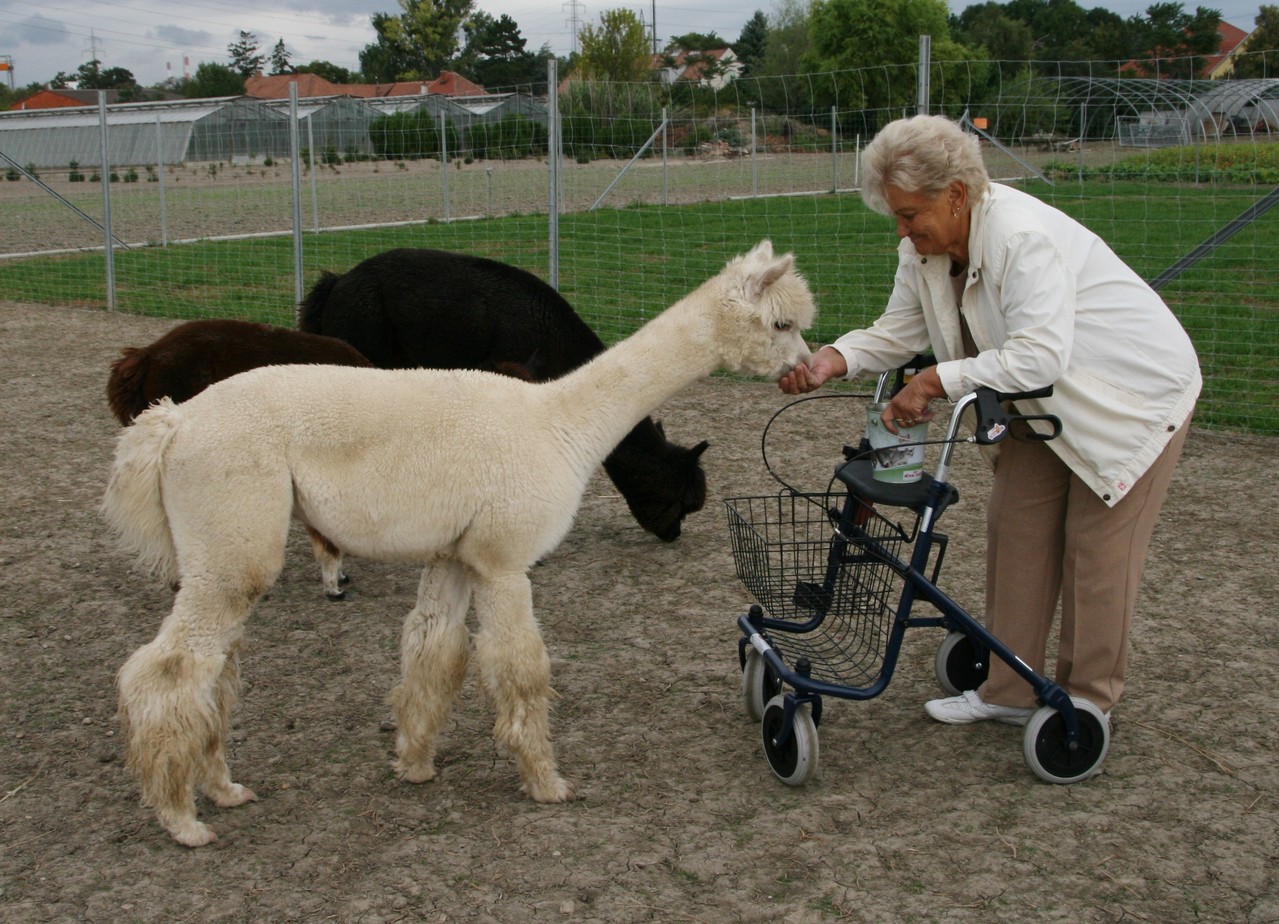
[516, 671]
[433, 653]
[216, 782]
[171, 724]
[330, 558]
[175, 698]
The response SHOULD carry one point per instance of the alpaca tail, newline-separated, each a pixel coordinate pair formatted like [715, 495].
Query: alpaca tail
[125, 385]
[311, 310]
[133, 504]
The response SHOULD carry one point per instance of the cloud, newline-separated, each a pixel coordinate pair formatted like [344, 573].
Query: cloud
[176, 35]
[40, 30]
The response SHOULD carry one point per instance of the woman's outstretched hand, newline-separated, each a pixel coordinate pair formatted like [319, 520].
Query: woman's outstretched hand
[826, 364]
[910, 405]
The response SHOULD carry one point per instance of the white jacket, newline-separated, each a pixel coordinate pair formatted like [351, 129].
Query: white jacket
[1047, 302]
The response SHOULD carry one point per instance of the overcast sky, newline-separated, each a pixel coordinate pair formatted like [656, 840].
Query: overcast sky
[156, 39]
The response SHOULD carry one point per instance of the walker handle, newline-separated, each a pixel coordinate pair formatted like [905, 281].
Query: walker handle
[993, 420]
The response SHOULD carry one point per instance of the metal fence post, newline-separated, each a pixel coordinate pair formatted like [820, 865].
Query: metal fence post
[106, 200]
[925, 72]
[553, 170]
[444, 163]
[754, 158]
[315, 193]
[666, 161]
[159, 170]
[296, 154]
[834, 152]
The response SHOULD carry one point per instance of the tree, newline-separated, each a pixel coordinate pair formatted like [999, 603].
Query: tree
[418, 43]
[695, 41]
[280, 59]
[988, 24]
[784, 52]
[857, 35]
[494, 53]
[330, 72]
[1261, 55]
[752, 43]
[385, 59]
[1176, 42]
[788, 41]
[246, 60]
[618, 50]
[91, 76]
[212, 80]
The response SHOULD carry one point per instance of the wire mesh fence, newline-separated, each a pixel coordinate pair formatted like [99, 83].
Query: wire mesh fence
[646, 192]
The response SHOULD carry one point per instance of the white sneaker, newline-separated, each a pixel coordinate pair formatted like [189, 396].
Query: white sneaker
[968, 707]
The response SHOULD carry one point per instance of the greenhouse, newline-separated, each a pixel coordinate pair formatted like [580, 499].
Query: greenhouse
[226, 129]
[221, 129]
[1163, 113]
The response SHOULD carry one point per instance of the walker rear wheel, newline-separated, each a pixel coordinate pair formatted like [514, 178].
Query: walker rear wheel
[760, 683]
[959, 666]
[794, 760]
[1047, 750]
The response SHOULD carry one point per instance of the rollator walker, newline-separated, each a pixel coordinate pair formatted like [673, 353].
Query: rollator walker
[839, 576]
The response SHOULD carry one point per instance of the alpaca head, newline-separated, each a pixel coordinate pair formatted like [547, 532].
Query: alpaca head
[763, 307]
[661, 481]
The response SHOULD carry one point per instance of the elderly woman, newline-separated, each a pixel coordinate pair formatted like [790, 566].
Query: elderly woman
[1010, 293]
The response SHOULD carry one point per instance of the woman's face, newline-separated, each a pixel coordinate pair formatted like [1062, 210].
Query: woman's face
[931, 222]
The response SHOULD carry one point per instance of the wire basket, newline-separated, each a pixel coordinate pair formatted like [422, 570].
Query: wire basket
[834, 599]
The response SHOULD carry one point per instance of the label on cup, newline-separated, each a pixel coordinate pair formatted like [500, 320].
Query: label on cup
[898, 458]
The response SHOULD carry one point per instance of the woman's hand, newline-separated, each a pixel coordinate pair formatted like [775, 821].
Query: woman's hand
[909, 406]
[827, 363]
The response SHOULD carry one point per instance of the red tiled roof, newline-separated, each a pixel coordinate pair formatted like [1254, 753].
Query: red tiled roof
[1231, 38]
[61, 99]
[277, 87]
[451, 84]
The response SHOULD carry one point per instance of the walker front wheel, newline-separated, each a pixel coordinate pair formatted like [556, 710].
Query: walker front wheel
[1047, 749]
[760, 683]
[793, 760]
[960, 664]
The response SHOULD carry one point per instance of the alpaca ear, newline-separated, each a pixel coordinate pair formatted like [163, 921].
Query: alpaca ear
[660, 428]
[761, 282]
[764, 249]
[696, 452]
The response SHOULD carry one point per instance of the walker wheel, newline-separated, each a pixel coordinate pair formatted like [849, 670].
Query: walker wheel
[794, 761]
[760, 683]
[959, 666]
[1046, 749]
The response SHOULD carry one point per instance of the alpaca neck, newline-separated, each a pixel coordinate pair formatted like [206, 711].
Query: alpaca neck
[601, 402]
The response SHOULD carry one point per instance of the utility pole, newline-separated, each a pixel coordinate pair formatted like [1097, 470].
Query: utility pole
[573, 6]
[93, 46]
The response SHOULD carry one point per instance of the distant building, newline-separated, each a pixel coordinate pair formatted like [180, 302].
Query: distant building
[61, 99]
[310, 85]
[1233, 42]
[1220, 63]
[715, 68]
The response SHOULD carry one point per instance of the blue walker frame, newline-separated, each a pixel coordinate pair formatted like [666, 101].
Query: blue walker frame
[1052, 748]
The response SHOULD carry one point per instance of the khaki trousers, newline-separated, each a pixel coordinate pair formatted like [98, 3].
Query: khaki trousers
[1050, 538]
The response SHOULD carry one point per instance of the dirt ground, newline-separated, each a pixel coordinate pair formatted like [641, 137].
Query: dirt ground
[682, 819]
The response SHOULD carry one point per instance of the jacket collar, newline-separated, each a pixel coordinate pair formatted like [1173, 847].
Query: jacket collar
[976, 239]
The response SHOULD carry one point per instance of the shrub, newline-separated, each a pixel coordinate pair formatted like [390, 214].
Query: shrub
[411, 136]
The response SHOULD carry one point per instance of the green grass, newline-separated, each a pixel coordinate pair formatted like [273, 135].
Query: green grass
[620, 267]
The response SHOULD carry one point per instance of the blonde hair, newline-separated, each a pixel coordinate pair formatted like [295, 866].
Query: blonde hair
[922, 154]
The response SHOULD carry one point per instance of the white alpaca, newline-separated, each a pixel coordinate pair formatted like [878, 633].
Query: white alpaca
[476, 474]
